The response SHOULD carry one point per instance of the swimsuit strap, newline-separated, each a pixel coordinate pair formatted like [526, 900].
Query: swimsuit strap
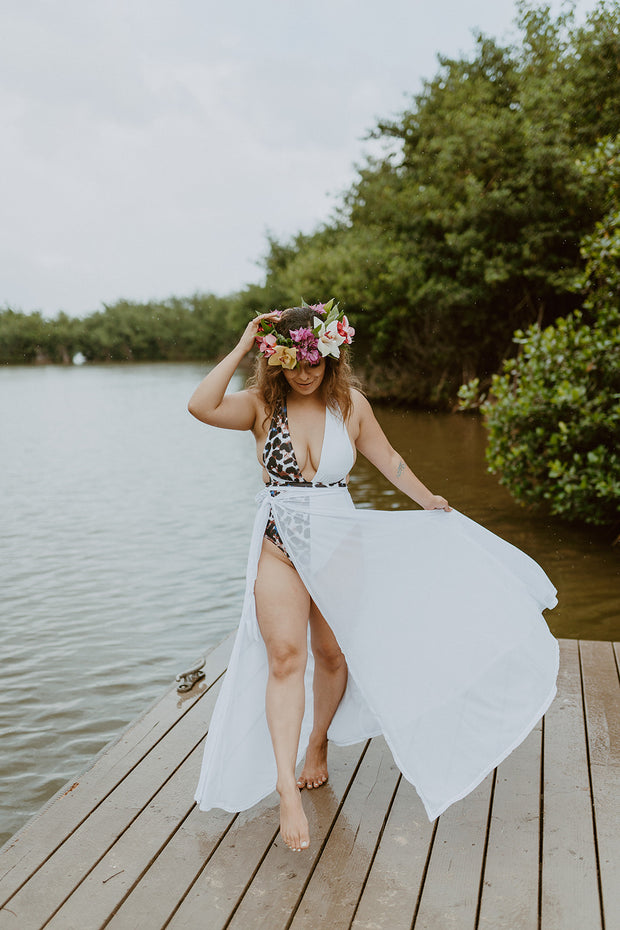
[278, 454]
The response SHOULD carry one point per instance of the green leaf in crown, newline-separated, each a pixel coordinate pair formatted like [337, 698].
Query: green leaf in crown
[331, 309]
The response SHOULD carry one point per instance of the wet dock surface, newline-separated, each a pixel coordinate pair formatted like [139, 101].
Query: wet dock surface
[536, 845]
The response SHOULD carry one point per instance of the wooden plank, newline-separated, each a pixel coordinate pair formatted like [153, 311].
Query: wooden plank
[127, 847]
[389, 898]
[602, 703]
[569, 892]
[32, 845]
[332, 894]
[219, 886]
[57, 878]
[510, 887]
[451, 889]
[254, 852]
[109, 883]
[154, 899]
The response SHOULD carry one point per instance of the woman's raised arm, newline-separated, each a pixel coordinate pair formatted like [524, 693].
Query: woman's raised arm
[373, 444]
[211, 404]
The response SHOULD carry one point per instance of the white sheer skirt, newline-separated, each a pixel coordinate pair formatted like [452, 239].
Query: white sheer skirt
[440, 622]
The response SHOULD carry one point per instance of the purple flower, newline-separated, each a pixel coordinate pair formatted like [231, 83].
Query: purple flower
[318, 308]
[307, 345]
[301, 335]
[310, 355]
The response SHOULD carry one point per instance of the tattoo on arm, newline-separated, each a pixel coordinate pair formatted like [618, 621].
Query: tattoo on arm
[400, 469]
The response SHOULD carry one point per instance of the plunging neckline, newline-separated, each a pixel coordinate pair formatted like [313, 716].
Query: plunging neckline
[290, 436]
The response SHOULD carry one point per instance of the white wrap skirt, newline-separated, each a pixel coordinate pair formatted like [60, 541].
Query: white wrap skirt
[440, 622]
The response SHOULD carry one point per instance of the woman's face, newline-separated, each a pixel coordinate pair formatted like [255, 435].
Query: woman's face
[305, 378]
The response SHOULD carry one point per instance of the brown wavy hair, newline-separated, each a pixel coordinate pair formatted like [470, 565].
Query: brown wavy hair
[335, 389]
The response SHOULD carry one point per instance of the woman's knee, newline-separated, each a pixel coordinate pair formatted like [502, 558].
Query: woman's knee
[286, 659]
[329, 656]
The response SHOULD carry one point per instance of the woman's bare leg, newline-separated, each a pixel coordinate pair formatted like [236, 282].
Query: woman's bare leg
[282, 609]
[330, 681]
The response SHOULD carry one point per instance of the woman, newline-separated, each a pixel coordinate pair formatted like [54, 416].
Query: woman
[393, 649]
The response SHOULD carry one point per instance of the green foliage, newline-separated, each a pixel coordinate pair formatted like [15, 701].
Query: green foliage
[554, 419]
[595, 86]
[470, 226]
[553, 415]
[20, 335]
[199, 327]
[30, 338]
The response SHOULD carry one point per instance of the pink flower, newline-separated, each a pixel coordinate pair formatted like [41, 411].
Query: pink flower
[267, 344]
[306, 345]
[310, 355]
[302, 334]
[318, 308]
[346, 331]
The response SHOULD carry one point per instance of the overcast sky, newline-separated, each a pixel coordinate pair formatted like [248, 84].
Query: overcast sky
[147, 146]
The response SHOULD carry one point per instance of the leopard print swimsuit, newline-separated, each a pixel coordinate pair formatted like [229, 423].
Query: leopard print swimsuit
[281, 464]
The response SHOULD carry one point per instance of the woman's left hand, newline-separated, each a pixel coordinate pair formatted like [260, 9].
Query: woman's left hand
[438, 503]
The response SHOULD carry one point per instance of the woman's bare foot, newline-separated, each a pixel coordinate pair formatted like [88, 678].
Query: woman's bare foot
[293, 823]
[314, 773]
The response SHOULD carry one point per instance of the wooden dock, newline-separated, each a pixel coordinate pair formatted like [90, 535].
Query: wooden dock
[535, 847]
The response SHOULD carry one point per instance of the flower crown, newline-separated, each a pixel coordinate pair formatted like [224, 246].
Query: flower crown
[306, 344]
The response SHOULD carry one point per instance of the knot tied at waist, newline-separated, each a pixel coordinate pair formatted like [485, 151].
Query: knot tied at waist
[296, 489]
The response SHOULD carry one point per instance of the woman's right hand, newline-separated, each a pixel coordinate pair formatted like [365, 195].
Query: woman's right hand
[251, 331]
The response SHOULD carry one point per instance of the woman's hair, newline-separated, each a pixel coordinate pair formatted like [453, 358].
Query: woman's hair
[335, 388]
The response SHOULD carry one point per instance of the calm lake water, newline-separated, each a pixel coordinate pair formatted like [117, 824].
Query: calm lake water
[123, 536]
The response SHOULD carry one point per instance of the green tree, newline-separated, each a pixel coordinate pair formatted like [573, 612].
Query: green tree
[553, 415]
[470, 226]
[23, 337]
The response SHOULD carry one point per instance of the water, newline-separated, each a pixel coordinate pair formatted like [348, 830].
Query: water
[124, 526]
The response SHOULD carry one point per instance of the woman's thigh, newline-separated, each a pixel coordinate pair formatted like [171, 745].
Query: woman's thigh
[282, 602]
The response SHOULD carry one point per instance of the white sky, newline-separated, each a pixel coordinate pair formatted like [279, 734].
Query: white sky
[148, 145]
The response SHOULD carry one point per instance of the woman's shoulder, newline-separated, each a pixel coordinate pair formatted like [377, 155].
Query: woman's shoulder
[360, 402]
[260, 405]
[359, 411]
